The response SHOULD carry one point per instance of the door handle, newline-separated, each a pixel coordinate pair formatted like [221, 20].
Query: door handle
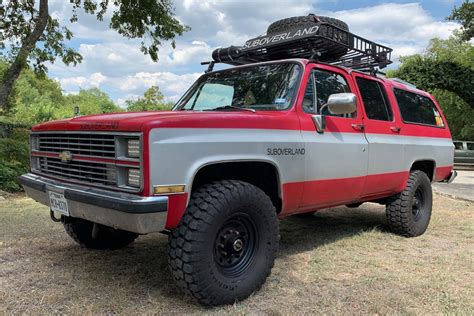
[358, 127]
[395, 129]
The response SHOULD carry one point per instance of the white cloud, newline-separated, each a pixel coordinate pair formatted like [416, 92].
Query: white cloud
[117, 65]
[407, 28]
[395, 22]
[82, 82]
[168, 82]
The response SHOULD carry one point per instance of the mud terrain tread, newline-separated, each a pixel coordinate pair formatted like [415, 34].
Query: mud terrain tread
[398, 209]
[298, 21]
[196, 221]
[80, 231]
[335, 51]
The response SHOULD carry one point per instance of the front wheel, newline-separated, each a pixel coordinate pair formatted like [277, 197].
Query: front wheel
[225, 245]
[409, 212]
[95, 236]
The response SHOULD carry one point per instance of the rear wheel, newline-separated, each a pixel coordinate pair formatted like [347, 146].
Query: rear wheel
[409, 212]
[95, 236]
[225, 245]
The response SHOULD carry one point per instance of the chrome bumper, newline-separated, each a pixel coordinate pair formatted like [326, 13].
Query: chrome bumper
[124, 211]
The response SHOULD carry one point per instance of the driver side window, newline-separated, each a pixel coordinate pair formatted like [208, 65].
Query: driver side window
[321, 84]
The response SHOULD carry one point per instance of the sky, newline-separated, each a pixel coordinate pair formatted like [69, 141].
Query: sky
[115, 64]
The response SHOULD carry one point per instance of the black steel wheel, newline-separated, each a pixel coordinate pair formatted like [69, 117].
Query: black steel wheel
[235, 245]
[225, 245]
[409, 212]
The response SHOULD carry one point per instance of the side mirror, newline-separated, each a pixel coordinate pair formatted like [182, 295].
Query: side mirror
[338, 103]
[319, 121]
[342, 103]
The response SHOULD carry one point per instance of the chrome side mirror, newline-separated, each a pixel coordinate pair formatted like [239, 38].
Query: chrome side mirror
[342, 103]
[319, 121]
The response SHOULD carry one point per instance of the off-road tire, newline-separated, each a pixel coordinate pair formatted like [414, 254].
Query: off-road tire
[194, 245]
[308, 21]
[406, 216]
[81, 231]
[302, 21]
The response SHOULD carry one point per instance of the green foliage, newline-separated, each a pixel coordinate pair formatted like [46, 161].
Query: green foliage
[17, 18]
[153, 100]
[464, 15]
[14, 160]
[38, 99]
[90, 101]
[447, 71]
[452, 49]
[459, 114]
[428, 73]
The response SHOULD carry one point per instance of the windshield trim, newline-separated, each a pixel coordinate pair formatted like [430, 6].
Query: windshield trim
[189, 93]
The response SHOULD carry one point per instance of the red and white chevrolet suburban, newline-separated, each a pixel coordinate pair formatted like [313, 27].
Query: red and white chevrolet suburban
[244, 147]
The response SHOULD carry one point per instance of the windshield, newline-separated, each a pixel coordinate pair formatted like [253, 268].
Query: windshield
[263, 87]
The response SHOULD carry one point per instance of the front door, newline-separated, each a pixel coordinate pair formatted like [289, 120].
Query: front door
[336, 160]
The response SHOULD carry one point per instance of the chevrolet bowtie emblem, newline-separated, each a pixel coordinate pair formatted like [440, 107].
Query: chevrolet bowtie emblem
[65, 156]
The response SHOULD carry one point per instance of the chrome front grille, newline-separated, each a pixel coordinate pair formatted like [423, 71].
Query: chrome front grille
[99, 159]
[89, 172]
[92, 145]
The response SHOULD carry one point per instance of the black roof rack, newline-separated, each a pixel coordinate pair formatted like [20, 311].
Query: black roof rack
[322, 42]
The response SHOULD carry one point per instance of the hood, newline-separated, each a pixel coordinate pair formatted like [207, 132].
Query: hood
[143, 121]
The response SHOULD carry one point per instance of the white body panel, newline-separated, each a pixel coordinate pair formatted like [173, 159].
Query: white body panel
[176, 154]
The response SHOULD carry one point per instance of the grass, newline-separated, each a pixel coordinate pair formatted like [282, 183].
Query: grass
[339, 261]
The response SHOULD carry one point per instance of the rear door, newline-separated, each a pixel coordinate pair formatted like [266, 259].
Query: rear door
[336, 160]
[386, 154]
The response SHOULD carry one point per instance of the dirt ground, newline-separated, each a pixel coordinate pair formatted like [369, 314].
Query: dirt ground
[339, 261]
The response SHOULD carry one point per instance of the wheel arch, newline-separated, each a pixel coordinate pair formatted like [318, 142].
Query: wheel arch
[428, 166]
[253, 171]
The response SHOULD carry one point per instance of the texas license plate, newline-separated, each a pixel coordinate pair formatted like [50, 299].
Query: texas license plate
[58, 203]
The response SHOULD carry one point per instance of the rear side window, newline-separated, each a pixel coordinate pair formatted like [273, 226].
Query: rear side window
[470, 146]
[417, 109]
[375, 100]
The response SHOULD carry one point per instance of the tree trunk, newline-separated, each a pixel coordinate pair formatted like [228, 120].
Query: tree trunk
[21, 59]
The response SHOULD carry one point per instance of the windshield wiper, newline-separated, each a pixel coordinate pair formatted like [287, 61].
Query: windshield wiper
[225, 107]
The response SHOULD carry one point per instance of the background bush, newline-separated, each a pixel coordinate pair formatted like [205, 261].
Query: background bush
[14, 156]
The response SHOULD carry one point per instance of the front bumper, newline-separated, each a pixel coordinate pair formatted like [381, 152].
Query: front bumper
[119, 210]
[451, 177]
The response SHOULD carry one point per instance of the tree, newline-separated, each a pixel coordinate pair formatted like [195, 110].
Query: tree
[38, 99]
[428, 73]
[447, 71]
[464, 15]
[153, 100]
[89, 101]
[32, 37]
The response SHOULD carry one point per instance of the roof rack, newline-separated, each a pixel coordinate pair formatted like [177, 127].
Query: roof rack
[321, 42]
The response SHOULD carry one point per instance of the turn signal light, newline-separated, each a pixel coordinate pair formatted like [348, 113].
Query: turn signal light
[167, 189]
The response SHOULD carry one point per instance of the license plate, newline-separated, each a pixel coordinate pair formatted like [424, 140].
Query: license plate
[58, 203]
